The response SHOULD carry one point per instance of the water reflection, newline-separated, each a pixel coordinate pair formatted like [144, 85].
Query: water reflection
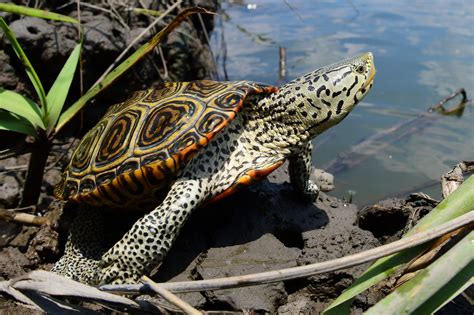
[424, 50]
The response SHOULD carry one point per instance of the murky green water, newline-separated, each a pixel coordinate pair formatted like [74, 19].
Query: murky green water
[424, 50]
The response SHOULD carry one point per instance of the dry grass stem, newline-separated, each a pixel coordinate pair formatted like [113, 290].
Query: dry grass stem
[142, 34]
[170, 297]
[308, 270]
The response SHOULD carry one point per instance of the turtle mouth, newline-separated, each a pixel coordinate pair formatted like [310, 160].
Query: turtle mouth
[370, 78]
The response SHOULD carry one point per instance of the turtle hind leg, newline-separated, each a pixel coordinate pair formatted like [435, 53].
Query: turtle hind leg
[84, 247]
[300, 168]
[145, 245]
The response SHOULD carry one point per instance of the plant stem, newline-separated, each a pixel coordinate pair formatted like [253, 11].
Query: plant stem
[34, 175]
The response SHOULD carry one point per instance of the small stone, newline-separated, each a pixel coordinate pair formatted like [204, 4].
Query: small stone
[324, 180]
[23, 238]
[12, 263]
[9, 191]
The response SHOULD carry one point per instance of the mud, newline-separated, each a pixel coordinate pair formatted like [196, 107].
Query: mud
[266, 227]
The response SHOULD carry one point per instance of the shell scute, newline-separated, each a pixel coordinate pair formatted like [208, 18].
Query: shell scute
[140, 145]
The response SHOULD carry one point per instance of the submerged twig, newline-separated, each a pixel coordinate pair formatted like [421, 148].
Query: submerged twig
[208, 41]
[308, 270]
[282, 64]
[363, 150]
[440, 106]
[224, 49]
[293, 9]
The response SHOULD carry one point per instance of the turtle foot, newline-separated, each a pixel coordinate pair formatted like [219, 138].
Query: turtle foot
[311, 192]
[116, 271]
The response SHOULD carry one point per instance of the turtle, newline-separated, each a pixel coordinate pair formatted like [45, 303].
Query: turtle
[185, 144]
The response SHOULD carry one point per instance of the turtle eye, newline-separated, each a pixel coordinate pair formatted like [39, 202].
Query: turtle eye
[360, 69]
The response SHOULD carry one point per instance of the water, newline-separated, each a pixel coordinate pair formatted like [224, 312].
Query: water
[424, 50]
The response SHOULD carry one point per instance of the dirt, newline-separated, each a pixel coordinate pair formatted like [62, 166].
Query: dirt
[266, 227]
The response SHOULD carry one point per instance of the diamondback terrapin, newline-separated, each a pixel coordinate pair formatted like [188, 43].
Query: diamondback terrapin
[195, 142]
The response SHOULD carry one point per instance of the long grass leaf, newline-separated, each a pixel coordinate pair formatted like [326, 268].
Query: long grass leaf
[124, 66]
[147, 12]
[12, 122]
[21, 106]
[30, 71]
[22, 10]
[459, 202]
[432, 286]
[60, 89]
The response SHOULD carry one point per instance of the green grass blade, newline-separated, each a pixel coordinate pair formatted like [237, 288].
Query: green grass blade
[124, 66]
[22, 10]
[459, 202]
[147, 12]
[434, 285]
[60, 89]
[22, 106]
[12, 122]
[30, 71]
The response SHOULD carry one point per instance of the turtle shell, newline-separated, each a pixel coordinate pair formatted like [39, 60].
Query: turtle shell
[139, 145]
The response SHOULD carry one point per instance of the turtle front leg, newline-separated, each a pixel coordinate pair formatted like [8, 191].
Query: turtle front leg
[145, 245]
[300, 169]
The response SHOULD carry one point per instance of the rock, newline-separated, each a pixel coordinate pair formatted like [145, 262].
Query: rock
[12, 263]
[50, 179]
[389, 219]
[8, 231]
[302, 305]
[9, 191]
[9, 77]
[23, 238]
[32, 32]
[339, 238]
[263, 254]
[44, 246]
[267, 227]
[324, 180]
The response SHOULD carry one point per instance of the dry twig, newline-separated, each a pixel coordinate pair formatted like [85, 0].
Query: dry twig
[370, 146]
[143, 33]
[170, 297]
[23, 218]
[449, 183]
[308, 270]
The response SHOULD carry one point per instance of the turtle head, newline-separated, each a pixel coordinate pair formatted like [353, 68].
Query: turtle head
[325, 96]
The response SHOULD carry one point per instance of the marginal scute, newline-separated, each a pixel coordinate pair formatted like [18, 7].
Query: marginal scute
[204, 88]
[140, 144]
[82, 155]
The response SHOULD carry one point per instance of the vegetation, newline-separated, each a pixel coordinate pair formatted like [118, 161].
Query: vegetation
[43, 119]
[445, 285]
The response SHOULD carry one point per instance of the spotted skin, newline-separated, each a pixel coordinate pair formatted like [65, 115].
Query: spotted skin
[269, 129]
[299, 168]
[83, 249]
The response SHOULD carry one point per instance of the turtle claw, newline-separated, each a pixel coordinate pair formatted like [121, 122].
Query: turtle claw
[113, 274]
[311, 191]
[116, 272]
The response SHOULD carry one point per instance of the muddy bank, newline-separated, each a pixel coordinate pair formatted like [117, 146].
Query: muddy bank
[266, 227]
